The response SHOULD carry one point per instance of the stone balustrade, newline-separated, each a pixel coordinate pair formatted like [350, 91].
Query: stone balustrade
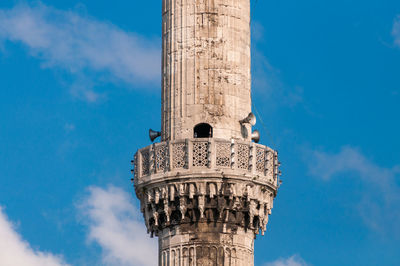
[206, 155]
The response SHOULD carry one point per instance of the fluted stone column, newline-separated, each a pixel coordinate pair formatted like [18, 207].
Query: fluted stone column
[205, 66]
[207, 244]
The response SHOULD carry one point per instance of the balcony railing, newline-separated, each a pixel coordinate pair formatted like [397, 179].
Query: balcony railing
[194, 155]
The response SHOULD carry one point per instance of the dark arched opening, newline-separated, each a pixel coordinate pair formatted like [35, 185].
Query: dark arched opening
[203, 130]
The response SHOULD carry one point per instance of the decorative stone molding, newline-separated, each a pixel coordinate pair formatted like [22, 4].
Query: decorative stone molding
[235, 203]
[206, 180]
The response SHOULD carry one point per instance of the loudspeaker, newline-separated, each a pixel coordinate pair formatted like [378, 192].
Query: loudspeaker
[255, 136]
[251, 119]
[154, 134]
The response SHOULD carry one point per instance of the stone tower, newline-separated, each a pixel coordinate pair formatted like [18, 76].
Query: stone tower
[206, 189]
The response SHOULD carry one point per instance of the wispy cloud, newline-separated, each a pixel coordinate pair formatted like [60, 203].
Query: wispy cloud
[81, 45]
[117, 226]
[294, 260]
[396, 31]
[15, 251]
[380, 203]
[113, 223]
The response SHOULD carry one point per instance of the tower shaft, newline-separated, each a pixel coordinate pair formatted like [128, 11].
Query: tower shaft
[206, 190]
[205, 66]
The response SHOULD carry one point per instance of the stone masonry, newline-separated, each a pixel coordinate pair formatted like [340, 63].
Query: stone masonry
[206, 190]
[205, 66]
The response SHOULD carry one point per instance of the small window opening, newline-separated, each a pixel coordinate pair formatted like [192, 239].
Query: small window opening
[203, 130]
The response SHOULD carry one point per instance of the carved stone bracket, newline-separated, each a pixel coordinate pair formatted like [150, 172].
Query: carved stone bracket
[234, 203]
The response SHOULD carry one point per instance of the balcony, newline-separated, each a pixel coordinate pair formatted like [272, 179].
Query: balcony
[206, 157]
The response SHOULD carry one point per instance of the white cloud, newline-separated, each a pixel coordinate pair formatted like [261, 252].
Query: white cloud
[81, 44]
[117, 226]
[396, 31]
[379, 205]
[294, 260]
[113, 223]
[15, 251]
[327, 165]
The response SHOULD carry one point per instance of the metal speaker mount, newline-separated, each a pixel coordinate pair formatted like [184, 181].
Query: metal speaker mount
[154, 134]
[255, 136]
[250, 119]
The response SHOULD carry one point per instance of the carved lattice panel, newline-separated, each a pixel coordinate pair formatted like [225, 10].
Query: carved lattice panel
[161, 152]
[145, 162]
[223, 151]
[178, 155]
[200, 152]
[135, 165]
[260, 160]
[243, 155]
[269, 164]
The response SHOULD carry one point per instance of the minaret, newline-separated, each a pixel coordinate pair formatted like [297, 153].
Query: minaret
[207, 188]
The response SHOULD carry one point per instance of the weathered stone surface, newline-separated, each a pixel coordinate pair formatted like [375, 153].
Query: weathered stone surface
[228, 201]
[205, 66]
[217, 197]
[206, 190]
[207, 244]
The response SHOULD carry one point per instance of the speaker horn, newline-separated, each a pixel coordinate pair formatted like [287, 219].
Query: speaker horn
[255, 136]
[154, 134]
[250, 119]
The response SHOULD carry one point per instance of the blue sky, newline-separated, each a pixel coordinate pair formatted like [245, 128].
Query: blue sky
[80, 87]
